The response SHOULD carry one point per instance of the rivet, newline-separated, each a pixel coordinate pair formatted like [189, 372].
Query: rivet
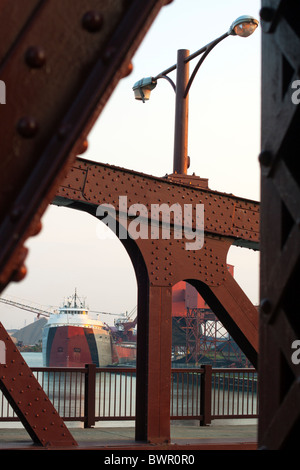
[127, 71]
[27, 127]
[92, 21]
[267, 14]
[266, 306]
[83, 147]
[265, 158]
[35, 57]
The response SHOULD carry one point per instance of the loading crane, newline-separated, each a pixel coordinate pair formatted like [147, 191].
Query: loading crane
[39, 311]
[45, 313]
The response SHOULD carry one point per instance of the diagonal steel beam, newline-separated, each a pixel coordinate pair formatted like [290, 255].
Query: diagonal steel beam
[28, 399]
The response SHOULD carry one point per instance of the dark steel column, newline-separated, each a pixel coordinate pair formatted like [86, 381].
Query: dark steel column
[279, 326]
[181, 114]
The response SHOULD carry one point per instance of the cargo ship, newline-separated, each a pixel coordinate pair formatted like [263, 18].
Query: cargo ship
[72, 338]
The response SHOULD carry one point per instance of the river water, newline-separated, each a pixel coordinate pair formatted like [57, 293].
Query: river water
[35, 359]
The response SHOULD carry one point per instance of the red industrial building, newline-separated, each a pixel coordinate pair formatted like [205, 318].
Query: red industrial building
[197, 334]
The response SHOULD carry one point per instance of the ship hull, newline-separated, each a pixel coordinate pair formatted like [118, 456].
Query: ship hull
[124, 353]
[76, 346]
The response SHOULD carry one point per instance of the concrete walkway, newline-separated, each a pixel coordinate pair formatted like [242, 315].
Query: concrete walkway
[183, 436]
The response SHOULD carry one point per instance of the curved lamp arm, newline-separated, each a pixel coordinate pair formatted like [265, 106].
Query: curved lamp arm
[167, 78]
[243, 26]
[208, 50]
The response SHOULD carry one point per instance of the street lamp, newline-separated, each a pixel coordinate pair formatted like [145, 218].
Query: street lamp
[243, 26]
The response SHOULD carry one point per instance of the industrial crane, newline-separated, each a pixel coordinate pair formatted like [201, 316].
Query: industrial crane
[45, 313]
[39, 312]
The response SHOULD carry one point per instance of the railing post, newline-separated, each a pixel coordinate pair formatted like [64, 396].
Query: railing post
[205, 395]
[89, 395]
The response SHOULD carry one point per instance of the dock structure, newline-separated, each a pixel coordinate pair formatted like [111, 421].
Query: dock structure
[75, 69]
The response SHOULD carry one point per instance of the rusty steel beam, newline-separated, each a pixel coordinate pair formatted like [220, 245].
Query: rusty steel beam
[162, 262]
[226, 215]
[279, 399]
[60, 60]
[153, 363]
[28, 399]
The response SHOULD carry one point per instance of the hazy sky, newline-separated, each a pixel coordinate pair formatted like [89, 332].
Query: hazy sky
[224, 143]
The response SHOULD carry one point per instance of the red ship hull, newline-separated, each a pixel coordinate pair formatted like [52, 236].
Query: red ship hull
[124, 353]
[72, 346]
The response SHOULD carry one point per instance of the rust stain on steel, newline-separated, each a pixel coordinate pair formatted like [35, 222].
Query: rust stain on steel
[60, 63]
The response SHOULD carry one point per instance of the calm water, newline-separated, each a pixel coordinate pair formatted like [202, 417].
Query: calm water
[33, 359]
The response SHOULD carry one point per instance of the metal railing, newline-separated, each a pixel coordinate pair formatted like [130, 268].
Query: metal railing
[93, 394]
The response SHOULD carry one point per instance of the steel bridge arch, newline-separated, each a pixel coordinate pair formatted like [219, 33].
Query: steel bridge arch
[160, 263]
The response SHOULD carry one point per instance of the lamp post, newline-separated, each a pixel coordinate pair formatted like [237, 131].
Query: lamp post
[243, 26]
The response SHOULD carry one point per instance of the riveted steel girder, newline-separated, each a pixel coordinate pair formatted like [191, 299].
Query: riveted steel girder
[162, 261]
[60, 60]
[279, 398]
[227, 220]
[226, 215]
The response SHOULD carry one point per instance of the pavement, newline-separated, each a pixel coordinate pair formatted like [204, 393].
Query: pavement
[218, 435]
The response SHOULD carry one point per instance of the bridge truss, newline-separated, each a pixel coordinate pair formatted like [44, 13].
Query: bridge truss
[62, 77]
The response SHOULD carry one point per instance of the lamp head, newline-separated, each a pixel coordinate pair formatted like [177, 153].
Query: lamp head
[142, 89]
[243, 26]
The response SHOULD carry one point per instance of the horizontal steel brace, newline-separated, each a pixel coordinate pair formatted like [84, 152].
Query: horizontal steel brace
[96, 184]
